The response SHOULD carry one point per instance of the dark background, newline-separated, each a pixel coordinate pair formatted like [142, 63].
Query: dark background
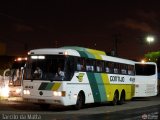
[26, 25]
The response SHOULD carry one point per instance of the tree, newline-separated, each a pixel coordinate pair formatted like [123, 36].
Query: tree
[152, 56]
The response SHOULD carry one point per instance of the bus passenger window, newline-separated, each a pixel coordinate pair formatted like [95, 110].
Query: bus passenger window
[116, 70]
[99, 66]
[98, 69]
[89, 65]
[130, 70]
[106, 67]
[88, 68]
[111, 66]
[80, 65]
[123, 69]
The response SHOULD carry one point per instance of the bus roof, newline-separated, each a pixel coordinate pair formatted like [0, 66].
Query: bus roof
[117, 59]
[54, 51]
[151, 63]
[70, 50]
[79, 51]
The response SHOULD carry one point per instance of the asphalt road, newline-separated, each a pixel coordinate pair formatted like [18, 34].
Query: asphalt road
[137, 109]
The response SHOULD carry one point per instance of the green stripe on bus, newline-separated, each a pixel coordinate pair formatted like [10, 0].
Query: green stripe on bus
[101, 87]
[106, 81]
[43, 86]
[96, 53]
[94, 87]
[83, 54]
[86, 54]
[89, 54]
[49, 86]
[95, 80]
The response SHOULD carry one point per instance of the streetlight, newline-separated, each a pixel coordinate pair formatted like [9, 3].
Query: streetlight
[150, 39]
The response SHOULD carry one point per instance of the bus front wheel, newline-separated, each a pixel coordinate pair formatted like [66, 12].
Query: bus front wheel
[80, 101]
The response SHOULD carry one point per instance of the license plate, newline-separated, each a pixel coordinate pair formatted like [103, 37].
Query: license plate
[41, 101]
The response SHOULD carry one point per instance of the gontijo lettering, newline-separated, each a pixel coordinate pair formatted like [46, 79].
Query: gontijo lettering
[117, 79]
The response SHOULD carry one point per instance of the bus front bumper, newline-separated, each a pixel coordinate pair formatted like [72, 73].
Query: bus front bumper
[43, 101]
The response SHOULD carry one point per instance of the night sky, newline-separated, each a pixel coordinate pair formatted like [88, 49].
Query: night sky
[26, 25]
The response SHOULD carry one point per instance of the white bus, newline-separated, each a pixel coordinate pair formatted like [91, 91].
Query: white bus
[146, 79]
[77, 76]
[12, 78]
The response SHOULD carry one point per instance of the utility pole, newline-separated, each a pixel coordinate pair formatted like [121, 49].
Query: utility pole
[115, 45]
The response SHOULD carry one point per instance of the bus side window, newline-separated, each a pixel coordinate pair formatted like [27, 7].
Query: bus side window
[116, 68]
[133, 70]
[103, 66]
[123, 69]
[80, 64]
[88, 65]
[98, 68]
[106, 67]
[69, 68]
[130, 70]
[111, 67]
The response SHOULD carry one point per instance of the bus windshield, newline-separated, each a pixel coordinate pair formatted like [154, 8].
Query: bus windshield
[145, 69]
[49, 67]
[16, 72]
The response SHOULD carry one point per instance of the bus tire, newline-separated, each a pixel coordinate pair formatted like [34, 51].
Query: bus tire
[122, 98]
[115, 98]
[80, 101]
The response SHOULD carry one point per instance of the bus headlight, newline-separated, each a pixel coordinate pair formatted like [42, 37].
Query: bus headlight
[11, 83]
[26, 92]
[5, 91]
[18, 90]
[59, 93]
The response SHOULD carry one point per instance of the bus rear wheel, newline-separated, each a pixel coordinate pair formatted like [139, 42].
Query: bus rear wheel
[80, 101]
[122, 99]
[115, 98]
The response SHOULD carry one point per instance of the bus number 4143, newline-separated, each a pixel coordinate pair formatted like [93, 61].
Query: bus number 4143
[132, 79]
